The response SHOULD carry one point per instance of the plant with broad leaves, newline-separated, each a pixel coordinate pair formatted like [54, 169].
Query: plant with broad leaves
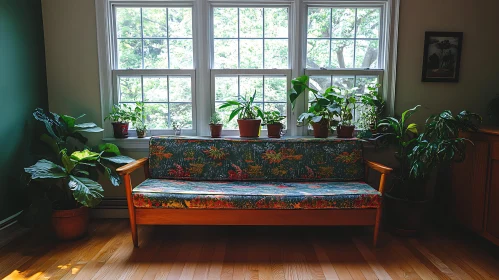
[124, 113]
[68, 178]
[272, 117]
[245, 108]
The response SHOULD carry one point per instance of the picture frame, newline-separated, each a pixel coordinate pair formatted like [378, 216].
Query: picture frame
[442, 56]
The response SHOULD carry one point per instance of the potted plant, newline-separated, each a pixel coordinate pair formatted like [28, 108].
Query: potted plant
[121, 116]
[247, 112]
[419, 154]
[216, 125]
[140, 126]
[141, 129]
[346, 100]
[372, 108]
[272, 119]
[323, 109]
[177, 127]
[63, 184]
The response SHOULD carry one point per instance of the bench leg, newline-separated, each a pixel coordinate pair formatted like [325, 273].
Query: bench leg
[131, 209]
[377, 225]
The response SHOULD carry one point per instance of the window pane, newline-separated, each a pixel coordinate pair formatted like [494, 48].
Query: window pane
[155, 54]
[180, 89]
[366, 54]
[342, 53]
[251, 22]
[319, 22]
[319, 83]
[180, 22]
[276, 22]
[225, 54]
[318, 52]
[181, 54]
[225, 22]
[156, 115]
[251, 54]
[128, 22]
[181, 113]
[130, 89]
[249, 84]
[276, 54]
[156, 89]
[275, 89]
[368, 22]
[226, 88]
[129, 53]
[154, 21]
[362, 82]
[344, 81]
[343, 23]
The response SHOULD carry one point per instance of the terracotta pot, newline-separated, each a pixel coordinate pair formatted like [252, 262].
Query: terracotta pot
[345, 131]
[70, 224]
[120, 130]
[216, 130]
[321, 129]
[406, 217]
[274, 130]
[141, 133]
[249, 128]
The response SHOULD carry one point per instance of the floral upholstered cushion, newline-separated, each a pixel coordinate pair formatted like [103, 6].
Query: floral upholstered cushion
[178, 194]
[234, 159]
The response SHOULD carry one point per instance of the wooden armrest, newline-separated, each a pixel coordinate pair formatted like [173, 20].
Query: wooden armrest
[378, 167]
[132, 166]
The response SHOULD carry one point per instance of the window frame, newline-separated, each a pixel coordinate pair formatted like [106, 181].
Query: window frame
[203, 74]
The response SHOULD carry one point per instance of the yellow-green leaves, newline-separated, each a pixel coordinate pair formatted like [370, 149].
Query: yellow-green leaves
[84, 155]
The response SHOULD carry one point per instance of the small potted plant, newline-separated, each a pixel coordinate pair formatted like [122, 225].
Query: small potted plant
[141, 129]
[272, 119]
[216, 125]
[177, 127]
[419, 154]
[63, 185]
[372, 108]
[121, 116]
[323, 110]
[345, 99]
[247, 112]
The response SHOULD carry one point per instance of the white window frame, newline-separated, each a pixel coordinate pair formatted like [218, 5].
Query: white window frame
[203, 74]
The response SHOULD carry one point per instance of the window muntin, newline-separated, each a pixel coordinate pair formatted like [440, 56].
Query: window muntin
[250, 38]
[346, 37]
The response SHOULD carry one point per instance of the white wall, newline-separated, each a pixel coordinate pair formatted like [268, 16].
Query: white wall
[73, 80]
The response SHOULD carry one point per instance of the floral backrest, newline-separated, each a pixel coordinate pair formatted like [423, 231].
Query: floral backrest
[300, 159]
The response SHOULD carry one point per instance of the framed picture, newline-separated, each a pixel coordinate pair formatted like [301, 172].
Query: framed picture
[442, 56]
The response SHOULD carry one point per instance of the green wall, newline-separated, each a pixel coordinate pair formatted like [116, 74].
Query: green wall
[23, 87]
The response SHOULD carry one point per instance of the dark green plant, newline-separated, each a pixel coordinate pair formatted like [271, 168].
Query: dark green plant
[124, 113]
[272, 117]
[245, 108]
[373, 106]
[215, 118]
[67, 178]
[139, 124]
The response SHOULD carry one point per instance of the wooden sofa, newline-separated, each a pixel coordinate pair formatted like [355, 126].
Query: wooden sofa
[232, 181]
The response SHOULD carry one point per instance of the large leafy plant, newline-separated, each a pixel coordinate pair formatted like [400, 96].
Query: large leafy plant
[245, 108]
[124, 113]
[67, 178]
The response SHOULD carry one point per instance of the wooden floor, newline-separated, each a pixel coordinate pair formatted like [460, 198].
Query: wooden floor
[245, 253]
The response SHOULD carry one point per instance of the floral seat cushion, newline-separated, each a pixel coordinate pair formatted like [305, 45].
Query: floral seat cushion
[180, 194]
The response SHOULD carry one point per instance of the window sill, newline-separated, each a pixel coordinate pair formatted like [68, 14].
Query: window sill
[130, 143]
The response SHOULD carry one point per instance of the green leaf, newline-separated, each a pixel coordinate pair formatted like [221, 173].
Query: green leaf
[407, 114]
[86, 191]
[70, 121]
[234, 113]
[85, 125]
[109, 148]
[45, 169]
[413, 128]
[67, 162]
[85, 155]
[112, 176]
[90, 129]
[50, 120]
[119, 159]
[45, 138]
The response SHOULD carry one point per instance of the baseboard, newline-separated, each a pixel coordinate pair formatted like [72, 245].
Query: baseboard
[111, 208]
[9, 221]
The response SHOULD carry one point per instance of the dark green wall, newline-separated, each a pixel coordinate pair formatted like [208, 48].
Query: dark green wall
[23, 87]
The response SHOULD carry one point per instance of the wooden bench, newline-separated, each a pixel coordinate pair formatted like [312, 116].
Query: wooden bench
[296, 181]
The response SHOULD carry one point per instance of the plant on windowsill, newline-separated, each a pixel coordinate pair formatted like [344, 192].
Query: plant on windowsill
[272, 119]
[177, 127]
[121, 116]
[216, 125]
[247, 112]
[140, 126]
[345, 99]
[372, 108]
[419, 154]
[323, 110]
[63, 184]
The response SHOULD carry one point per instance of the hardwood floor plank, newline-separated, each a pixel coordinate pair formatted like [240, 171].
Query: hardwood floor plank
[325, 263]
[216, 265]
[413, 261]
[370, 258]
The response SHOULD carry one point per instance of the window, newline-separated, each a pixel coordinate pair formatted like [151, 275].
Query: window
[250, 52]
[154, 50]
[184, 58]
